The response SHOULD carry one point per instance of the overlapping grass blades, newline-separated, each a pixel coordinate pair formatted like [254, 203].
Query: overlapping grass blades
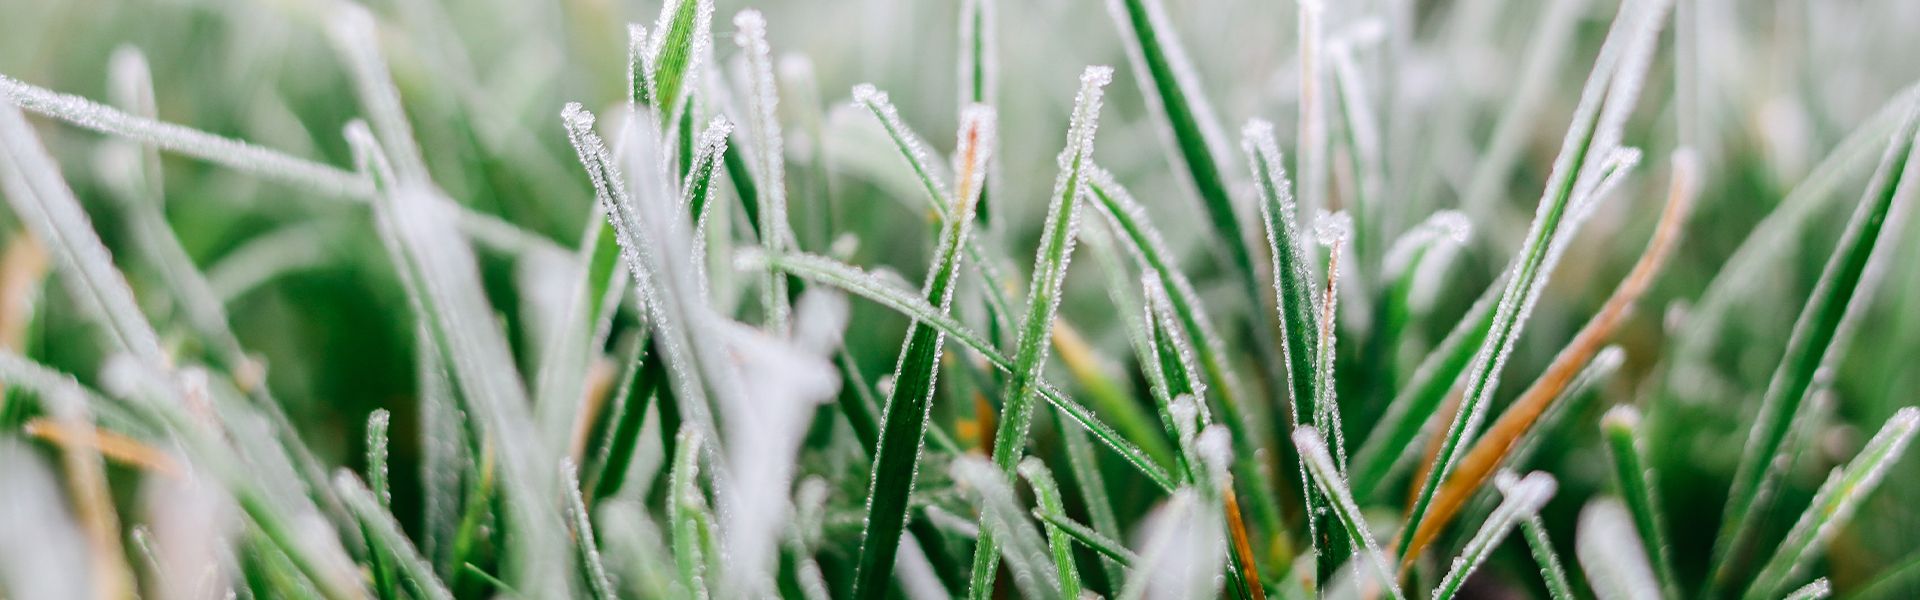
[909, 402]
[1834, 505]
[1043, 300]
[1578, 180]
[1846, 284]
[1621, 428]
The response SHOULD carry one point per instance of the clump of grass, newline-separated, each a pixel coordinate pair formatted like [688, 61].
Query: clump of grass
[631, 353]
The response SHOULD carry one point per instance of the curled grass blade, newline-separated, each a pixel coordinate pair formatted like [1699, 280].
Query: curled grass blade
[1847, 283]
[1105, 546]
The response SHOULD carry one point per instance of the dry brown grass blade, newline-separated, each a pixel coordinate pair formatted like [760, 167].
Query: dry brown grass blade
[1242, 545]
[113, 446]
[1487, 453]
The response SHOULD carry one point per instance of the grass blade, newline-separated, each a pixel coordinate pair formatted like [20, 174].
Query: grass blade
[388, 541]
[1550, 570]
[1167, 82]
[1319, 464]
[909, 402]
[1043, 298]
[1105, 546]
[415, 223]
[1572, 189]
[692, 524]
[1047, 495]
[588, 551]
[770, 172]
[1611, 554]
[1846, 284]
[1621, 428]
[1524, 497]
[1001, 517]
[1835, 504]
[1300, 321]
[1817, 590]
[673, 56]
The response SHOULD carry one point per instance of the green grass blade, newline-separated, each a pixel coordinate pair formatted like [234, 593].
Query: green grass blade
[1835, 504]
[1327, 478]
[1300, 321]
[1043, 298]
[1085, 467]
[1001, 517]
[388, 541]
[769, 149]
[674, 52]
[1149, 250]
[1576, 183]
[1815, 590]
[692, 533]
[1524, 497]
[1621, 428]
[1046, 495]
[645, 377]
[909, 402]
[1558, 588]
[1846, 284]
[1101, 544]
[587, 551]
[377, 451]
[1167, 82]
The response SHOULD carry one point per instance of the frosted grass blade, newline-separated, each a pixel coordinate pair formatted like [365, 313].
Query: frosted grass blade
[1817, 590]
[1106, 547]
[1621, 428]
[691, 523]
[1319, 464]
[1611, 91]
[770, 172]
[674, 53]
[377, 483]
[1835, 504]
[414, 221]
[1846, 285]
[1610, 553]
[1043, 297]
[1300, 322]
[388, 541]
[1149, 250]
[48, 208]
[1046, 494]
[1394, 442]
[1524, 497]
[599, 586]
[1168, 83]
[909, 402]
[1551, 572]
[1001, 518]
